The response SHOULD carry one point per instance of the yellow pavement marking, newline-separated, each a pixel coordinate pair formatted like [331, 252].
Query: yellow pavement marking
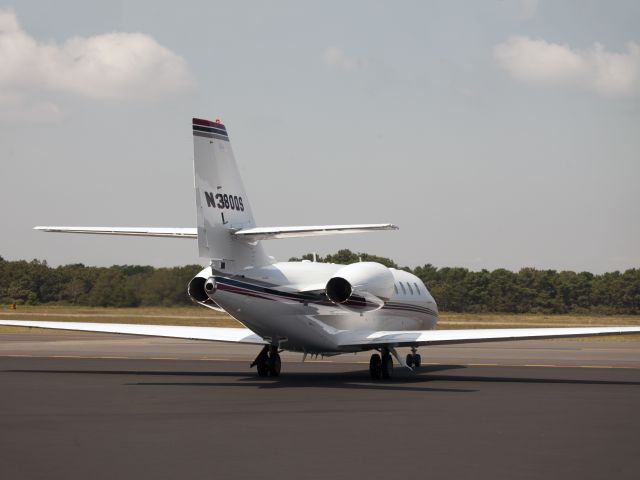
[66, 356]
[112, 357]
[609, 349]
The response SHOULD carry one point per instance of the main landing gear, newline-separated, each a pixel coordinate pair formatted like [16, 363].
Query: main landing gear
[268, 362]
[381, 364]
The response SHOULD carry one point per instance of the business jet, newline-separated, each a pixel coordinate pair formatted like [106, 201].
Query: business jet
[309, 307]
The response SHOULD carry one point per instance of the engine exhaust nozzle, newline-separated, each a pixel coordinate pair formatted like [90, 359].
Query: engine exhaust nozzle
[338, 290]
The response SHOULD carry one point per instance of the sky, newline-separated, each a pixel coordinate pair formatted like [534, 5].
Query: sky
[496, 134]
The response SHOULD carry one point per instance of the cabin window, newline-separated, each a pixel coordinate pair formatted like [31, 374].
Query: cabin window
[395, 287]
[410, 289]
[404, 290]
[417, 289]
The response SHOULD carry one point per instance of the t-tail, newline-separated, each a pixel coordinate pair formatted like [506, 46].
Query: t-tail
[222, 204]
[226, 230]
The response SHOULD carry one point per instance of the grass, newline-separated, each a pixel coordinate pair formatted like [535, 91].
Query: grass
[198, 316]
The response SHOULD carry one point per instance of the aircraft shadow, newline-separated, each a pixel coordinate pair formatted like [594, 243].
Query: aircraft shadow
[357, 379]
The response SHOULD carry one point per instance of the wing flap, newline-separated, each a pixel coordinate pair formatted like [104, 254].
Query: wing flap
[216, 334]
[129, 231]
[267, 233]
[443, 337]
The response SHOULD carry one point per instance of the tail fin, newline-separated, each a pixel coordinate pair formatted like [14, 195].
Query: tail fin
[221, 201]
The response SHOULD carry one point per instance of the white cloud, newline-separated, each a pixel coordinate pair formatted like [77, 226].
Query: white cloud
[335, 57]
[109, 66]
[594, 68]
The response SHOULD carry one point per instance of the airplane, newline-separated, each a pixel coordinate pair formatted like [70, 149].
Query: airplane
[309, 307]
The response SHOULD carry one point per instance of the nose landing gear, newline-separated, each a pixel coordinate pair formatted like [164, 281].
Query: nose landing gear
[414, 359]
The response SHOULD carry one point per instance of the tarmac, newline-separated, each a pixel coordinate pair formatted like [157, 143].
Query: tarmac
[102, 406]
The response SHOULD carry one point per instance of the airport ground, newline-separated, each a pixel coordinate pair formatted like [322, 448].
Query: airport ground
[80, 405]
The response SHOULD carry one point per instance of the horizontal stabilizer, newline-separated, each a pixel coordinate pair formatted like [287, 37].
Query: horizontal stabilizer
[216, 334]
[267, 233]
[257, 233]
[130, 231]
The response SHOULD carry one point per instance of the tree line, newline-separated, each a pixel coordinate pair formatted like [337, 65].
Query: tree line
[529, 290]
[35, 283]
[455, 289]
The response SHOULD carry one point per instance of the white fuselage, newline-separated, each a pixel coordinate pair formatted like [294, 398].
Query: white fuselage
[285, 302]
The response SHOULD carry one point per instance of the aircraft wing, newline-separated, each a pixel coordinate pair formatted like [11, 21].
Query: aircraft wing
[130, 231]
[266, 233]
[443, 337]
[217, 334]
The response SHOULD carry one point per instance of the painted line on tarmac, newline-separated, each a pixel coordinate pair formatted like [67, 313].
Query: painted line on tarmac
[539, 365]
[609, 349]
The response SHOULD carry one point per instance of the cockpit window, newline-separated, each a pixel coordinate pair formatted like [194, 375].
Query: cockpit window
[395, 287]
[404, 291]
[417, 289]
[410, 289]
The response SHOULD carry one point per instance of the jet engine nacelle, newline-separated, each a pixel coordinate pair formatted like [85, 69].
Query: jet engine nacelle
[202, 287]
[363, 286]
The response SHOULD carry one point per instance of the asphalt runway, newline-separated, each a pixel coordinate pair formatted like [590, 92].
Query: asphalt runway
[158, 412]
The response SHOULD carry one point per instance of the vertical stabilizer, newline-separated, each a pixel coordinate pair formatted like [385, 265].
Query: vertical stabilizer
[221, 201]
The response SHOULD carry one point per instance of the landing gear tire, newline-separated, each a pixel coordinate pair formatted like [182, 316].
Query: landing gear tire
[409, 360]
[414, 360]
[387, 366]
[375, 366]
[417, 360]
[263, 367]
[274, 364]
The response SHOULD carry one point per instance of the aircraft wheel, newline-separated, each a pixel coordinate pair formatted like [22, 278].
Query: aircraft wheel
[409, 359]
[387, 366]
[417, 360]
[274, 365]
[375, 366]
[263, 367]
